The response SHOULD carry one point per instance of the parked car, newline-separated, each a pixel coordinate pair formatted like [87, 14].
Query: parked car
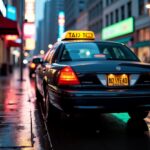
[81, 75]
[36, 60]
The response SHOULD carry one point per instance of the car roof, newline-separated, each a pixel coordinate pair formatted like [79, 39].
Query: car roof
[90, 41]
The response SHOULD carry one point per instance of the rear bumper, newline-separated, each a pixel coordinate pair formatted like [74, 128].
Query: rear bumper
[101, 100]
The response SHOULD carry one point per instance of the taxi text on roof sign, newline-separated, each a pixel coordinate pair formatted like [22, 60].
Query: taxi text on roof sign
[78, 35]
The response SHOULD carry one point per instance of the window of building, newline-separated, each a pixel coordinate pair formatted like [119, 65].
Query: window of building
[129, 6]
[141, 35]
[147, 34]
[111, 18]
[117, 15]
[107, 3]
[122, 13]
[141, 7]
[101, 6]
[107, 20]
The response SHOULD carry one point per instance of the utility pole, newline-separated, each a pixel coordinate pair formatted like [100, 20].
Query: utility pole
[22, 39]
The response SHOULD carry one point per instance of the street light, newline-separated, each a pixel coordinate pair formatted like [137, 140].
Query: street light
[147, 6]
[42, 52]
[50, 46]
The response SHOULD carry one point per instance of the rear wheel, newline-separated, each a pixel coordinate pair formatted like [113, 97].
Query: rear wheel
[39, 97]
[30, 75]
[138, 114]
[50, 112]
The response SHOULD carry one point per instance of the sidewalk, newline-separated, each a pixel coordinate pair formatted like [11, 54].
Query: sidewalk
[20, 123]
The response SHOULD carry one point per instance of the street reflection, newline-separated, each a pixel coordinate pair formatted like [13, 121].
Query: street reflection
[137, 127]
[96, 133]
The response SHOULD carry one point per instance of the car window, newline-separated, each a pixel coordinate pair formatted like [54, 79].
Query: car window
[90, 51]
[78, 51]
[50, 56]
[46, 56]
[37, 60]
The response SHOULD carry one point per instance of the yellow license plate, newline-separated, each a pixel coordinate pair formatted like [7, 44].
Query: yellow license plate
[117, 80]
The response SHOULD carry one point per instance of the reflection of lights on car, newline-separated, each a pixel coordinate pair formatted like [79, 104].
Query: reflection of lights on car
[42, 52]
[88, 53]
[25, 61]
[50, 46]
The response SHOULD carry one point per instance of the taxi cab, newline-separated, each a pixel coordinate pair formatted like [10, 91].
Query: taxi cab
[79, 74]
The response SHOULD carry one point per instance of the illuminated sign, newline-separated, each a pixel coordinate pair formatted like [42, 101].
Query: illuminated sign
[11, 37]
[77, 35]
[29, 30]
[2, 8]
[30, 10]
[61, 24]
[29, 44]
[11, 12]
[29, 36]
[118, 29]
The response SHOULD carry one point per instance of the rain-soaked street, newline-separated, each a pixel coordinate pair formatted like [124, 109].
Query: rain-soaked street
[108, 132]
[22, 127]
[20, 124]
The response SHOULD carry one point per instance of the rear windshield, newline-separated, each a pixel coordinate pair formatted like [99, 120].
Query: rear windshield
[93, 51]
[37, 60]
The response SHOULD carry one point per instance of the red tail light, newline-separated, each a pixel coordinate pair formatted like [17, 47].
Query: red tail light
[32, 65]
[68, 77]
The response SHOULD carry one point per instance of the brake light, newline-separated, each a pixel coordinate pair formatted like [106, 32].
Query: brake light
[68, 77]
[32, 65]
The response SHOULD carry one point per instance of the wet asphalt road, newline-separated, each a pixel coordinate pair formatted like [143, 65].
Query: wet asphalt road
[115, 131]
[107, 132]
[21, 125]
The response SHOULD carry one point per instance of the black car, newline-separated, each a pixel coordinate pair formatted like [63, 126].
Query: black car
[85, 75]
[36, 60]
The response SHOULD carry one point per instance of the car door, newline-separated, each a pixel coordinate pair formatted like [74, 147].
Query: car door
[40, 73]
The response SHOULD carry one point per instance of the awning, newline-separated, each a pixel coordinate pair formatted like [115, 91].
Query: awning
[13, 44]
[8, 26]
[124, 40]
[141, 44]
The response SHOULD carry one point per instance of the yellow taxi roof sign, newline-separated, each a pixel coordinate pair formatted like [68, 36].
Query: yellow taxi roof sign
[78, 35]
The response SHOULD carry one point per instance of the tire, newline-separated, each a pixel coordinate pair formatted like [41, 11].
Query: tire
[51, 114]
[30, 75]
[38, 95]
[138, 114]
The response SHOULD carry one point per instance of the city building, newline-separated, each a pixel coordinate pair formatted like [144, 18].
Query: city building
[82, 21]
[48, 27]
[10, 17]
[95, 16]
[73, 10]
[128, 22]
[125, 21]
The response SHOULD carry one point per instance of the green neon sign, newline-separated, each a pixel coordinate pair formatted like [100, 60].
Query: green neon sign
[118, 29]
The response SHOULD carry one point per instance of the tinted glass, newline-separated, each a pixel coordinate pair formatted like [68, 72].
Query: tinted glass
[37, 60]
[93, 51]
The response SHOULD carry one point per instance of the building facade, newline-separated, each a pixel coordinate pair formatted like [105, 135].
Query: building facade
[95, 16]
[73, 9]
[48, 26]
[9, 26]
[117, 11]
[129, 16]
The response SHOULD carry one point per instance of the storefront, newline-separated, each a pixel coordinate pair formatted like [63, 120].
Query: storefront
[120, 32]
[7, 27]
[143, 44]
